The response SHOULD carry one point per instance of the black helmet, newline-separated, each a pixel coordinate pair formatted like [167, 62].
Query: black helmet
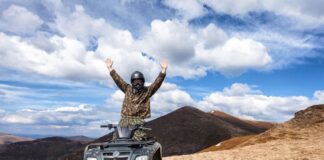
[137, 75]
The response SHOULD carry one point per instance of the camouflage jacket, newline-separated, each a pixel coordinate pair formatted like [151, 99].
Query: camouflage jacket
[137, 104]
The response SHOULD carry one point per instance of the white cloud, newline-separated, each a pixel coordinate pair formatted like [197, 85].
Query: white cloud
[80, 108]
[66, 56]
[170, 39]
[68, 115]
[235, 56]
[18, 19]
[212, 36]
[70, 60]
[20, 119]
[252, 103]
[191, 9]
[11, 93]
[305, 13]
[192, 50]
[238, 89]
[2, 111]
[209, 48]
[319, 95]
[233, 7]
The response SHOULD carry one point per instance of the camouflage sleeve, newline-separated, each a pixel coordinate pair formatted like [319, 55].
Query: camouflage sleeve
[156, 84]
[119, 81]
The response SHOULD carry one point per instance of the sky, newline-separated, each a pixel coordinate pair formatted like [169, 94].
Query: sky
[255, 59]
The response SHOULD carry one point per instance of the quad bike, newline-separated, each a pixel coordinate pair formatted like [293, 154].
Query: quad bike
[124, 147]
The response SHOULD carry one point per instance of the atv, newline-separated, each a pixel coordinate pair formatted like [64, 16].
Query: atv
[124, 147]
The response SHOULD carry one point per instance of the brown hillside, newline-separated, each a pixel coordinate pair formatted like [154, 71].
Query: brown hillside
[256, 126]
[8, 138]
[305, 123]
[299, 138]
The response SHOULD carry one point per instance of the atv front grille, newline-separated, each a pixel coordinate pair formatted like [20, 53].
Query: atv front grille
[122, 155]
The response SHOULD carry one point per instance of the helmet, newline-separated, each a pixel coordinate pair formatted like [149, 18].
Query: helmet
[137, 75]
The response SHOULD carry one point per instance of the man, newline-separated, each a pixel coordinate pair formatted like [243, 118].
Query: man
[136, 104]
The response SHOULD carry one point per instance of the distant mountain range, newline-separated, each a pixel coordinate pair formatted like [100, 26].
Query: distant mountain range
[40, 136]
[40, 149]
[189, 130]
[186, 130]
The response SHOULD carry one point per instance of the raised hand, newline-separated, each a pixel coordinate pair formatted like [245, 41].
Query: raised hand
[164, 65]
[109, 64]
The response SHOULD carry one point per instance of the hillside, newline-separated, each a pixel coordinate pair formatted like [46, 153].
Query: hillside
[299, 138]
[8, 139]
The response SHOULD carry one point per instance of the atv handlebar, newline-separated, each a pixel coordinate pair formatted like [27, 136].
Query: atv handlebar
[109, 126]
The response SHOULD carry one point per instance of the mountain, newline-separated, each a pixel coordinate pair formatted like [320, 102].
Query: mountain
[251, 125]
[302, 137]
[51, 148]
[6, 138]
[306, 123]
[188, 130]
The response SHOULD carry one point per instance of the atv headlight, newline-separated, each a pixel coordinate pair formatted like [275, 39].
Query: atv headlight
[141, 158]
[91, 158]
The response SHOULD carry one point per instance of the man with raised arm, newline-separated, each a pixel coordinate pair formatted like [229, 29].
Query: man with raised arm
[136, 104]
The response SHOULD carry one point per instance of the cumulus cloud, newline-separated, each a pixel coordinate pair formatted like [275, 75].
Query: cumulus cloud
[209, 48]
[67, 56]
[70, 60]
[17, 19]
[245, 101]
[236, 56]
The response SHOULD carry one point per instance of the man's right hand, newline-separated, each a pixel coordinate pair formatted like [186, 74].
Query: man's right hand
[109, 64]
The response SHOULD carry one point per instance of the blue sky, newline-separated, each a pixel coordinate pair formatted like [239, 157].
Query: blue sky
[259, 60]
